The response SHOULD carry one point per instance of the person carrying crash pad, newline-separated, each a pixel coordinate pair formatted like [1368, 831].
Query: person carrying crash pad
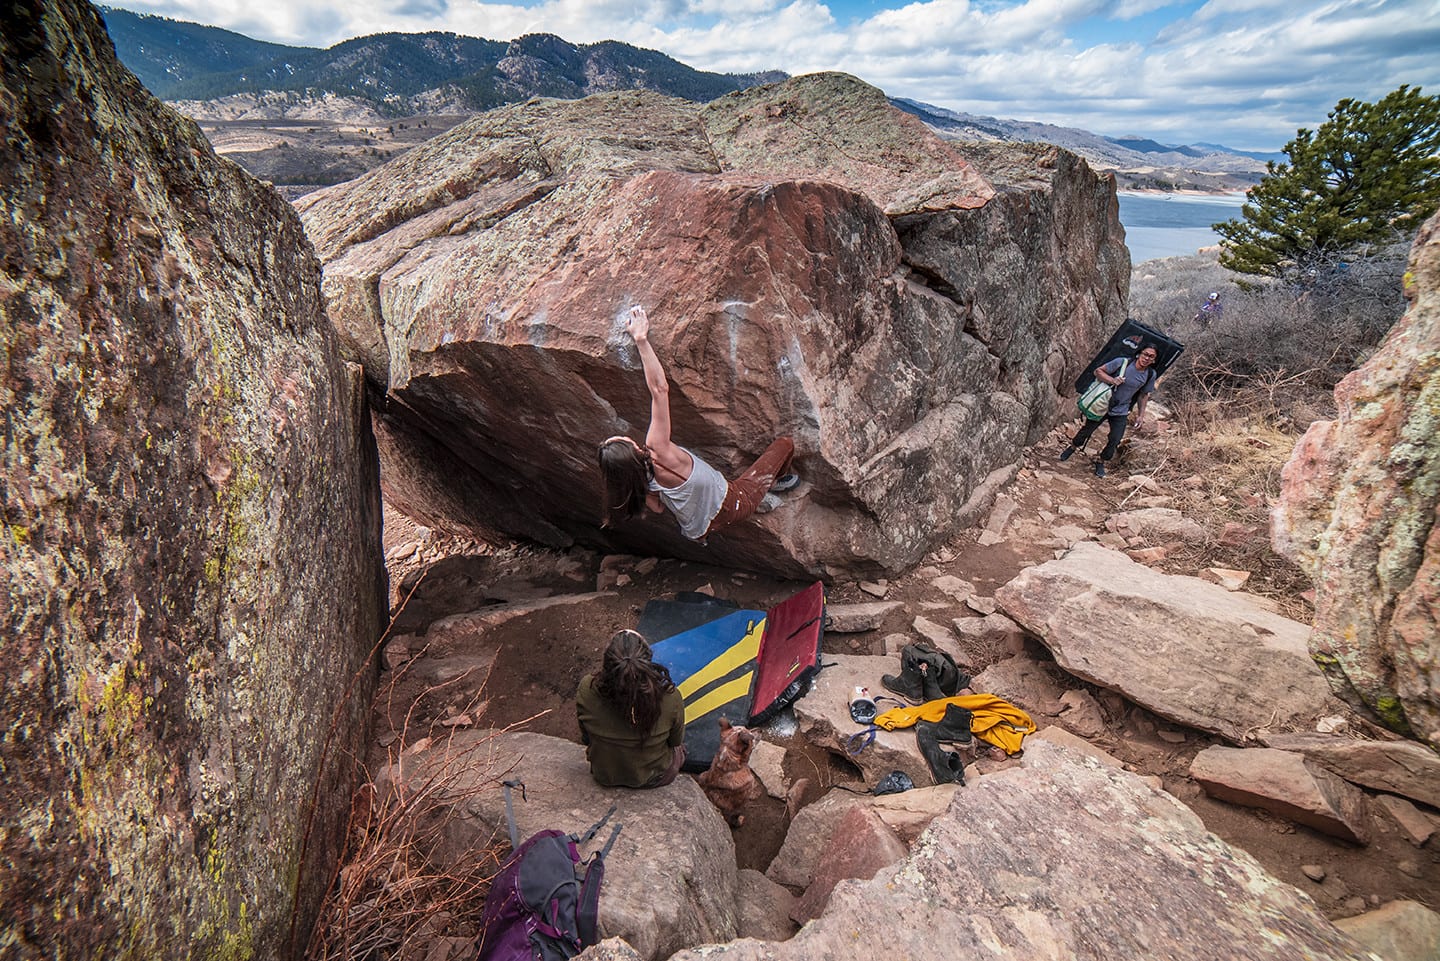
[661, 474]
[1132, 382]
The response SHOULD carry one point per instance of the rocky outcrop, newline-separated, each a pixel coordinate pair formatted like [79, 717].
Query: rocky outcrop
[1061, 858]
[815, 264]
[1358, 506]
[1188, 650]
[191, 528]
[823, 717]
[670, 879]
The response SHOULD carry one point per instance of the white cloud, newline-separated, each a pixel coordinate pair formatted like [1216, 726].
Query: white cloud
[1243, 72]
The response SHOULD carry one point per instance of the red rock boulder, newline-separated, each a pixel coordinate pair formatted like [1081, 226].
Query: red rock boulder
[815, 264]
[191, 529]
[1358, 509]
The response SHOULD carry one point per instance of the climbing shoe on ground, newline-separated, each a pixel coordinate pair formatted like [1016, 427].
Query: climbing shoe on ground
[786, 482]
[954, 727]
[767, 504]
[945, 766]
[1099, 468]
[910, 682]
[1067, 453]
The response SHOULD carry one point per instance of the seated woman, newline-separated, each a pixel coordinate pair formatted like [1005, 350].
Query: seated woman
[662, 474]
[632, 719]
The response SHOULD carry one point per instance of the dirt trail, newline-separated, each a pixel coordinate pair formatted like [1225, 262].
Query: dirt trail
[533, 678]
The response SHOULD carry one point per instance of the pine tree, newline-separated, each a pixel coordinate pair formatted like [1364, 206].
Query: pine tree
[1367, 176]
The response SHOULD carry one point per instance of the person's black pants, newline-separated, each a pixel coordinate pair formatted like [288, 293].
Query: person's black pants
[1117, 422]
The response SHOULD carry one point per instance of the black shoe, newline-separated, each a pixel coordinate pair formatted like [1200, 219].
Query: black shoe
[946, 767]
[1067, 453]
[942, 677]
[954, 727]
[787, 482]
[910, 682]
[1099, 468]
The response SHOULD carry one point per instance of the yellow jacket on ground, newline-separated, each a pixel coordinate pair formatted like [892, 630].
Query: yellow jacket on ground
[995, 720]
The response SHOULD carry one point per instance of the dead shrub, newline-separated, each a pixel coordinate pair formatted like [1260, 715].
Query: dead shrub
[403, 889]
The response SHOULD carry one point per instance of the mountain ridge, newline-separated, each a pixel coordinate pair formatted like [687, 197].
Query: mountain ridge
[366, 85]
[399, 74]
[1132, 154]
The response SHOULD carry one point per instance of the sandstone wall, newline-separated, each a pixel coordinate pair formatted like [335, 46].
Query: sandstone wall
[1358, 509]
[815, 263]
[191, 528]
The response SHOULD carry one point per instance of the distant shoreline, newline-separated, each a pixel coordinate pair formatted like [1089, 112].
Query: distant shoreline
[1186, 192]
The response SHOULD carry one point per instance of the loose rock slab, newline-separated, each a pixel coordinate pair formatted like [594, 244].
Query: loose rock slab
[1407, 768]
[907, 814]
[1398, 931]
[824, 718]
[1060, 858]
[1284, 784]
[1185, 649]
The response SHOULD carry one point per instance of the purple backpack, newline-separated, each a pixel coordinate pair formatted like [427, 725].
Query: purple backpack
[544, 903]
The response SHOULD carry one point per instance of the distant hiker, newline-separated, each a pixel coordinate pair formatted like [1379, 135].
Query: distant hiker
[1209, 311]
[1129, 380]
[632, 717]
[662, 474]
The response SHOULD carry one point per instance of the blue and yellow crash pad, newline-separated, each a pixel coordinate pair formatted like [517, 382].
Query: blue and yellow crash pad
[744, 665]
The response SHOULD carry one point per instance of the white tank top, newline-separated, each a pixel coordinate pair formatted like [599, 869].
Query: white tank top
[698, 498]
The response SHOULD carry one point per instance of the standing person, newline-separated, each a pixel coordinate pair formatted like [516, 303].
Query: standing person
[1210, 310]
[662, 474]
[632, 717]
[1137, 379]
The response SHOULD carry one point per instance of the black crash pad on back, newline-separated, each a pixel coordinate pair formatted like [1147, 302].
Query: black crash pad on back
[1125, 342]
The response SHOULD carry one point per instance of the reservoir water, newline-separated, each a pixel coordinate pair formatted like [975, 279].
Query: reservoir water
[1171, 225]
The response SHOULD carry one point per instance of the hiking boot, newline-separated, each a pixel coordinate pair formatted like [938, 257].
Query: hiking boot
[767, 504]
[786, 482]
[954, 727]
[1099, 468]
[942, 678]
[910, 682]
[1067, 453]
[946, 767]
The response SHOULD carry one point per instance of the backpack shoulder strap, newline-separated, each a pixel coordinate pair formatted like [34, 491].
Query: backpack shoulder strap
[510, 812]
[595, 828]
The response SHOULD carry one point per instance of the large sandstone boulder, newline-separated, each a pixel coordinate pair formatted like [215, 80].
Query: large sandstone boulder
[1183, 648]
[1358, 506]
[815, 263]
[1060, 857]
[192, 528]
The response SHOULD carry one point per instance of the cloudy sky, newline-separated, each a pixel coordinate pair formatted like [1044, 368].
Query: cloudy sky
[1244, 73]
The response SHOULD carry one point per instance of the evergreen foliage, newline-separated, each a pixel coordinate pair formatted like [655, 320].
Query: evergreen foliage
[1368, 176]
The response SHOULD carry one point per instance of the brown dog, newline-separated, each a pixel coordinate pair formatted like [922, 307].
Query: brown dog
[730, 784]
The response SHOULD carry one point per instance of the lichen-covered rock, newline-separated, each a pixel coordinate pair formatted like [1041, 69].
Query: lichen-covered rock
[191, 528]
[1358, 506]
[815, 263]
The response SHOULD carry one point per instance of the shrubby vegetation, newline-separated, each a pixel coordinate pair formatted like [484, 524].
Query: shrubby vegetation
[1362, 181]
[1280, 347]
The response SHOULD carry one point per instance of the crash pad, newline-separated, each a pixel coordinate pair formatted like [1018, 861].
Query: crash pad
[744, 665]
